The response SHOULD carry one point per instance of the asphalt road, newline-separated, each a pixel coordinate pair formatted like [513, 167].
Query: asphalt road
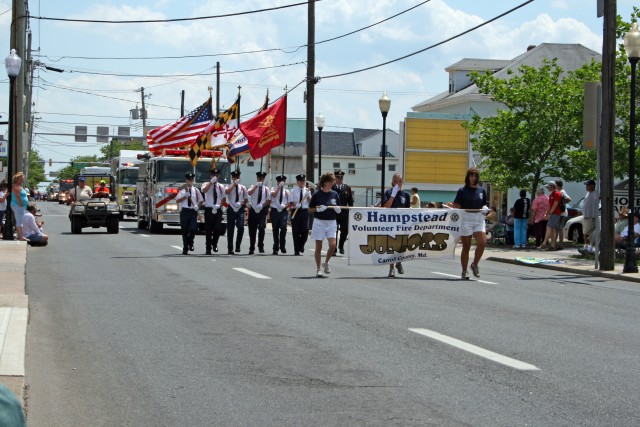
[126, 331]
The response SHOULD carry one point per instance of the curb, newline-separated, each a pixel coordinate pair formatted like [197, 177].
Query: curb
[574, 270]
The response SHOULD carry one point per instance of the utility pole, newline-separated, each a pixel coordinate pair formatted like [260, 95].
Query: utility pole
[18, 32]
[310, 98]
[182, 103]
[605, 148]
[217, 89]
[144, 112]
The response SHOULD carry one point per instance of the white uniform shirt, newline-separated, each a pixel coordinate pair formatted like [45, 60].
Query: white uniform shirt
[3, 205]
[277, 202]
[297, 194]
[190, 193]
[261, 192]
[236, 196]
[216, 189]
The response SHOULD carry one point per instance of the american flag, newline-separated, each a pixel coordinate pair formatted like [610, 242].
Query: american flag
[183, 132]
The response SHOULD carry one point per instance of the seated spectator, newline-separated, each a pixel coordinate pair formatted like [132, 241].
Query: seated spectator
[509, 225]
[30, 228]
[621, 241]
[621, 223]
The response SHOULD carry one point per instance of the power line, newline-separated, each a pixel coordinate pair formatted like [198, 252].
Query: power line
[151, 21]
[432, 46]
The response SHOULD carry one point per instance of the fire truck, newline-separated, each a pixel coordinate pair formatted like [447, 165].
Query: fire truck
[162, 176]
[125, 169]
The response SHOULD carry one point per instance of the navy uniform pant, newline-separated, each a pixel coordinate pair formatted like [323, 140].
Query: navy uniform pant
[189, 227]
[212, 227]
[300, 229]
[279, 226]
[235, 220]
[342, 219]
[257, 223]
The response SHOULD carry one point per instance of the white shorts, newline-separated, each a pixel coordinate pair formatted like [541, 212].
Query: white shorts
[324, 228]
[472, 222]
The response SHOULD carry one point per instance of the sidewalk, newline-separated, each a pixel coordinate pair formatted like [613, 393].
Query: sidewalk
[565, 262]
[14, 315]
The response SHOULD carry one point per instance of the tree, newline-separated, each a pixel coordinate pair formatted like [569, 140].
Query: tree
[77, 163]
[36, 169]
[539, 131]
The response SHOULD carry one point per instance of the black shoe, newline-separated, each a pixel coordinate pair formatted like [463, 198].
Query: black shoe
[207, 253]
[283, 250]
[185, 252]
[302, 250]
[250, 252]
[275, 253]
[342, 251]
[237, 248]
[261, 250]
[191, 247]
[215, 249]
[296, 253]
[231, 253]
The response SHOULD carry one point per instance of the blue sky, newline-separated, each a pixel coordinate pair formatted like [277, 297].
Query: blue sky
[346, 102]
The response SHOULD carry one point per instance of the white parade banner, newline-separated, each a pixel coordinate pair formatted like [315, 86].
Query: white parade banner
[384, 236]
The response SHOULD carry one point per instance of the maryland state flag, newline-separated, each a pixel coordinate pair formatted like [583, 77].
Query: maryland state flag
[218, 133]
[267, 129]
[239, 143]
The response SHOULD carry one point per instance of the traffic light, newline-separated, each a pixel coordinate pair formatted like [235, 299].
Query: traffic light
[50, 163]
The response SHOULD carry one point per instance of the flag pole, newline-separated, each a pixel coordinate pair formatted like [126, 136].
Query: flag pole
[237, 162]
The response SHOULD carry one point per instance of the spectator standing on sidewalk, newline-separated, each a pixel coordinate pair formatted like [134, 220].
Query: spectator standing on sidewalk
[472, 197]
[522, 208]
[554, 218]
[589, 214]
[539, 209]
[566, 199]
[3, 200]
[415, 198]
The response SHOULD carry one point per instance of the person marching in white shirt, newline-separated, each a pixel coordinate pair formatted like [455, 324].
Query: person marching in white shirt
[236, 199]
[299, 198]
[279, 215]
[259, 198]
[189, 199]
[214, 198]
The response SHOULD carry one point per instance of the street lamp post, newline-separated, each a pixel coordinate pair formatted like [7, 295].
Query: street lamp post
[632, 47]
[12, 63]
[320, 125]
[385, 104]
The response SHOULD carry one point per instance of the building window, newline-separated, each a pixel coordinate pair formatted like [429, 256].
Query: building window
[352, 171]
[315, 165]
[336, 165]
[379, 167]
[351, 165]
[250, 163]
[392, 168]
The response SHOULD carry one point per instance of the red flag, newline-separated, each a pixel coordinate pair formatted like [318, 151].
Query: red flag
[267, 129]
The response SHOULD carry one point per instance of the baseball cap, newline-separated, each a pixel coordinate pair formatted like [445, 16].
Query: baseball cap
[589, 182]
[551, 184]
[81, 178]
[103, 182]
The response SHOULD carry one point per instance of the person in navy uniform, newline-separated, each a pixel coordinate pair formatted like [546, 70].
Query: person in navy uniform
[214, 198]
[259, 198]
[189, 199]
[325, 206]
[346, 199]
[279, 214]
[396, 197]
[236, 199]
[299, 198]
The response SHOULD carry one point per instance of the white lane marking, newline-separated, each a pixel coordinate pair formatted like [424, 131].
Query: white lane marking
[143, 235]
[479, 351]
[177, 247]
[251, 273]
[458, 277]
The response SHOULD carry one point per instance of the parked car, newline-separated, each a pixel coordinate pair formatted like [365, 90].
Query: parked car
[573, 230]
[574, 210]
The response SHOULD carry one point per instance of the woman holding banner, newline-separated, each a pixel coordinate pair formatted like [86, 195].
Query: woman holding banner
[325, 205]
[474, 198]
